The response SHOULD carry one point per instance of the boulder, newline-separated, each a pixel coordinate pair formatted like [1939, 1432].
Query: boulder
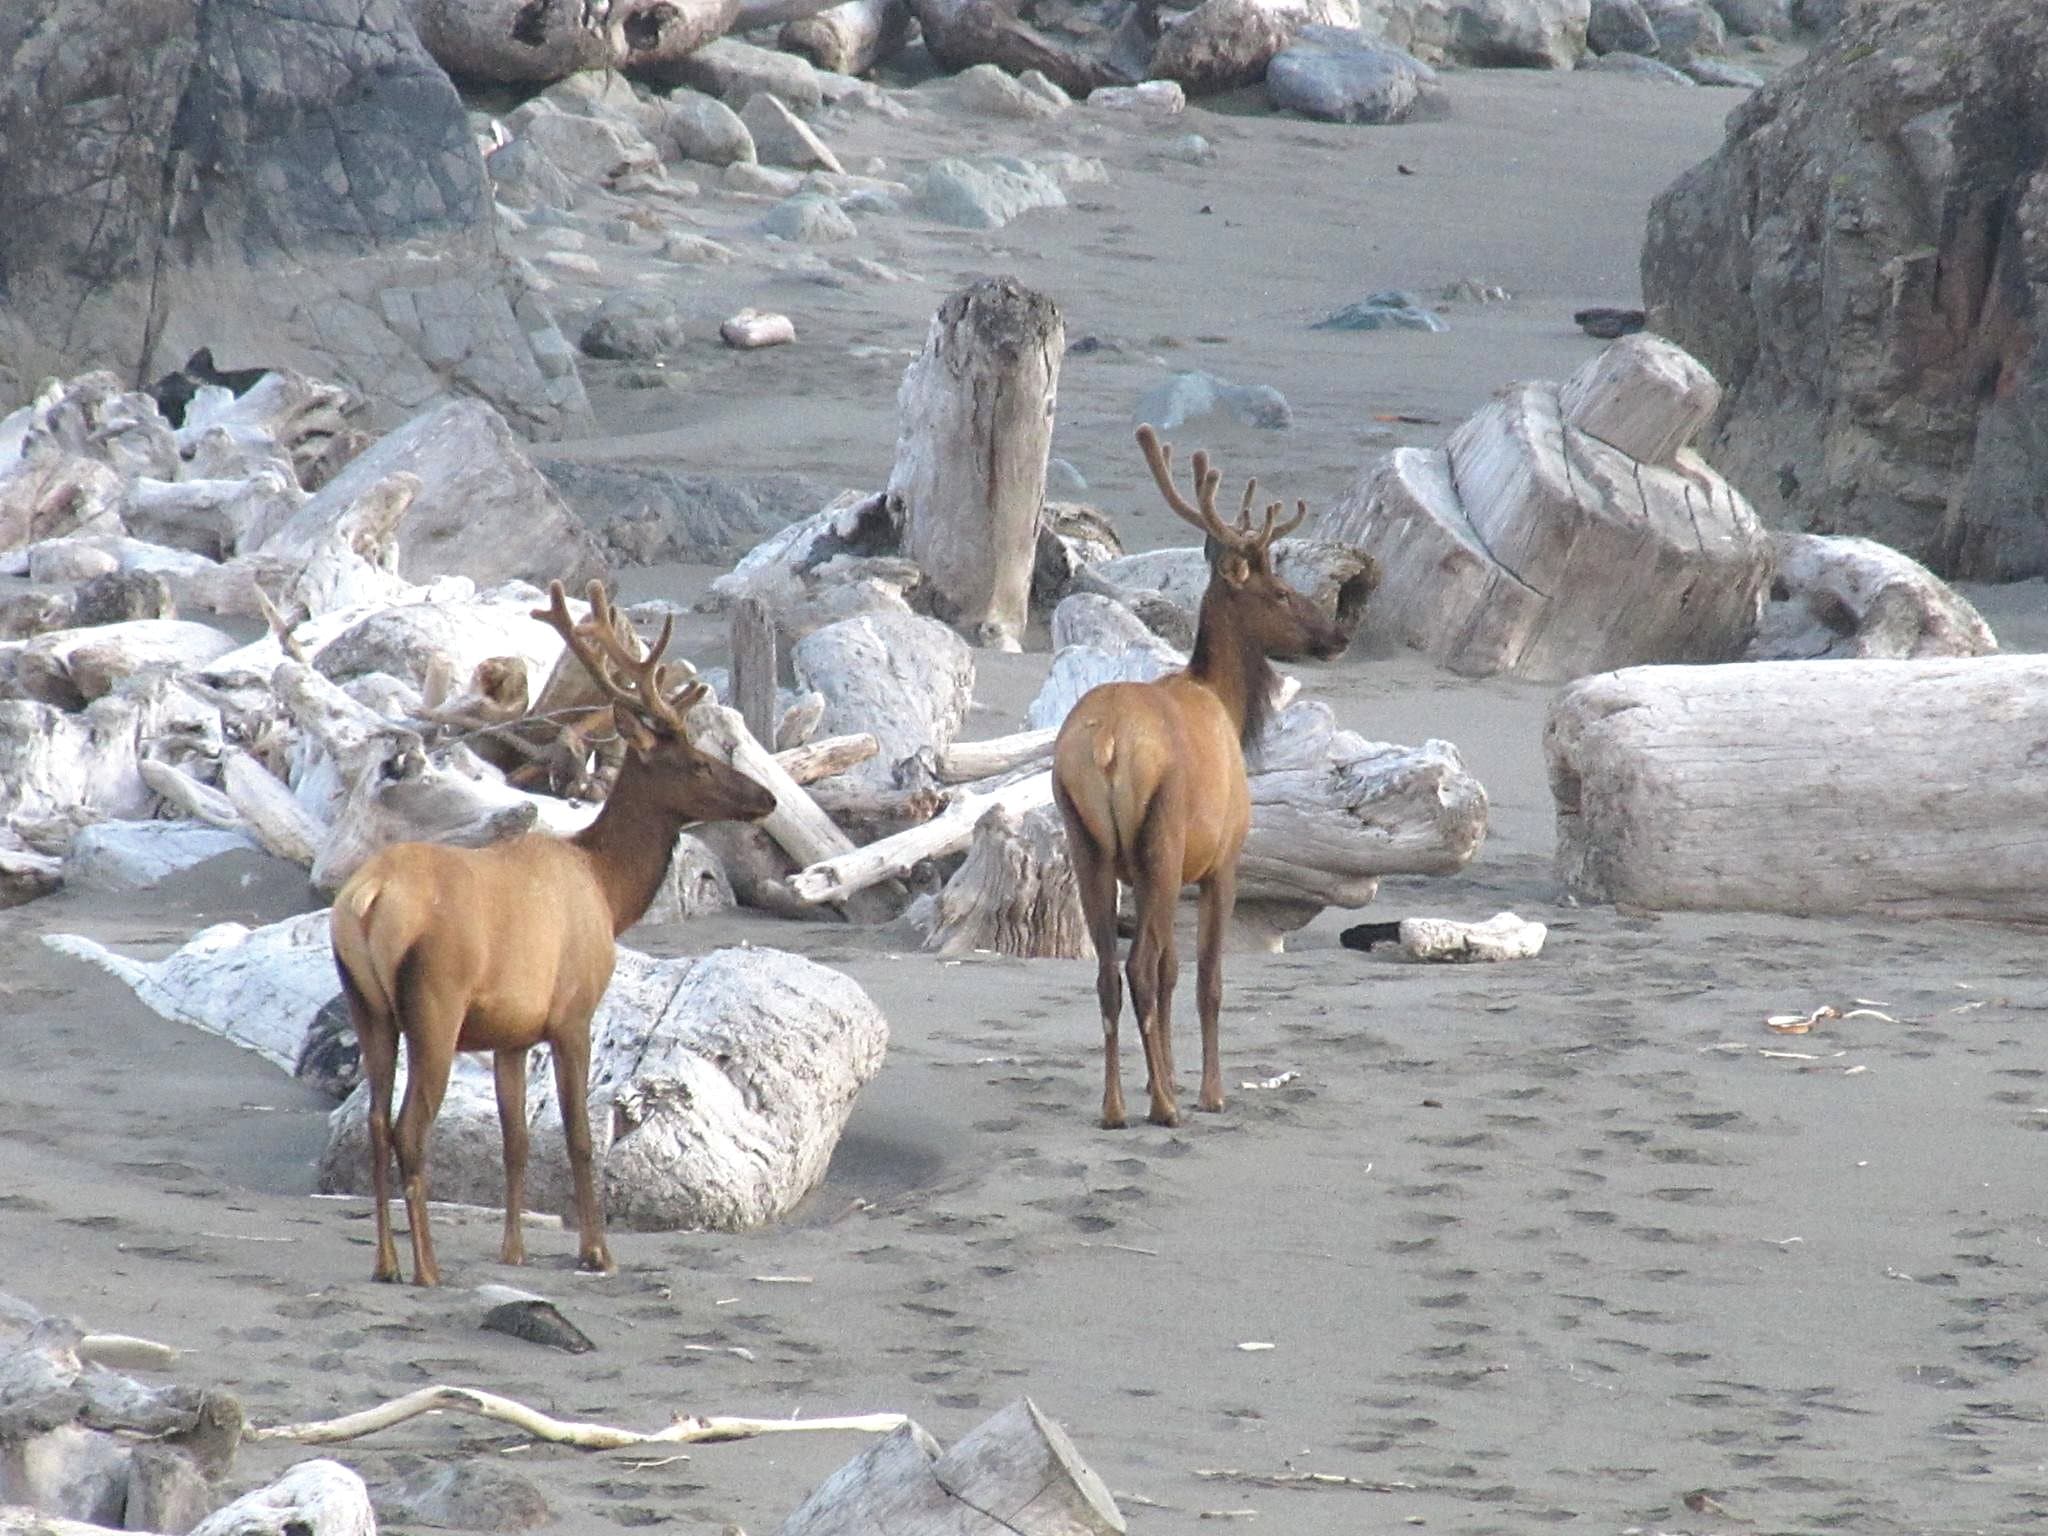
[234, 143]
[734, 71]
[1874, 319]
[1685, 29]
[1344, 76]
[783, 138]
[1620, 26]
[986, 194]
[1756, 18]
[1220, 45]
[704, 128]
[1519, 34]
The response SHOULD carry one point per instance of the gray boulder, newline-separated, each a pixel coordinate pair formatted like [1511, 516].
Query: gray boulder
[1342, 76]
[809, 218]
[1221, 45]
[1685, 28]
[704, 128]
[228, 144]
[646, 513]
[1860, 265]
[733, 71]
[1756, 18]
[986, 194]
[1190, 396]
[634, 327]
[1639, 65]
[1389, 310]
[1519, 34]
[1620, 26]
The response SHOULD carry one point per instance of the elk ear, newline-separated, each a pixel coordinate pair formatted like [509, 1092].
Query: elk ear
[633, 731]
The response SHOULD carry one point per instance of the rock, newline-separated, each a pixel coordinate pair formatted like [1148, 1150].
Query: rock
[467, 1496]
[985, 194]
[590, 151]
[704, 128]
[1818, 15]
[1190, 396]
[118, 596]
[1756, 18]
[995, 92]
[481, 508]
[1608, 324]
[1220, 45]
[733, 71]
[1706, 71]
[768, 180]
[1620, 26]
[634, 326]
[1161, 98]
[197, 125]
[1347, 77]
[1518, 34]
[641, 514]
[1685, 28]
[809, 219]
[1640, 65]
[751, 329]
[783, 138]
[1874, 328]
[136, 855]
[523, 177]
[1390, 310]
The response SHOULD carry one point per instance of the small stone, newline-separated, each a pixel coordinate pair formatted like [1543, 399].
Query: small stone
[753, 328]
[1189, 149]
[747, 176]
[1159, 98]
[994, 91]
[1608, 324]
[1389, 310]
[633, 327]
[704, 128]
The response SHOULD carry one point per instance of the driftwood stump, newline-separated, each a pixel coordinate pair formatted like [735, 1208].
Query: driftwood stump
[1565, 529]
[850, 38]
[1806, 787]
[1857, 598]
[976, 423]
[1017, 1474]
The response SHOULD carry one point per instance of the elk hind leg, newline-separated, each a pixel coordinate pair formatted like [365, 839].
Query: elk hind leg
[1095, 874]
[1153, 965]
[571, 1047]
[431, 1029]
[510, 1067]
[377, 1046]
[1219, 899]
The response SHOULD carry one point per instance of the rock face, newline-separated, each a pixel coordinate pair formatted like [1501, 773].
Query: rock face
[1540, 34]
[1863, 266]
[290, 184]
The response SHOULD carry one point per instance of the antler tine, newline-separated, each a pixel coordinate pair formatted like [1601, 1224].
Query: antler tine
[556, 617]
[1270, 534]
[1244, 513]
[1159, 456]
[649, 693]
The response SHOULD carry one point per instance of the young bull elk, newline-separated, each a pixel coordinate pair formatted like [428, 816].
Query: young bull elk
[500, 948]
[1150, 781]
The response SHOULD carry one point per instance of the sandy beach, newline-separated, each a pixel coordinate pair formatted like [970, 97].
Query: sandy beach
[1574, 1243]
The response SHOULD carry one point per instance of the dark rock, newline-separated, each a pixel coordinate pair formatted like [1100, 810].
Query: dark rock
[1756, 18]
[226, 144]
[466, 1496]
[1620, 26]
[1861, 266]
[329, 1059]
[537, 1320]
[1341, 76]
[1391, 310]
[634, 327]
[120, 596]
[1607, 324]
[644, 513]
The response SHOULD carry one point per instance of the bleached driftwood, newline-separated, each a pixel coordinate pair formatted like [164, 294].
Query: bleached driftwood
[1805, 787]
[797, 824]
[320, 1495]
[650, 37]
[962, 762]
[835, 879]
[211, 517]
[719, 1088]
[1531, 543]
[963, 33]
[1857, 598]
[904, 679]
[843, 560]
[283, 417]
[1015, 1474]
[1504, 936]
[86, 764]
[1015, 894]
[71, 667]
[266, 807]
[975, 423]
[683, 1429]
[754, 667]
[850, 38]
[498, 41]
[826, 756]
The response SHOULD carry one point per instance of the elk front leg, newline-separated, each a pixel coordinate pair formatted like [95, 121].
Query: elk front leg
[572, 1088]
[510, 1068]
[1219, 898]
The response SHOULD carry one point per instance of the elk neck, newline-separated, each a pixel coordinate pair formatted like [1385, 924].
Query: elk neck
[630, 845]
[1230, 665]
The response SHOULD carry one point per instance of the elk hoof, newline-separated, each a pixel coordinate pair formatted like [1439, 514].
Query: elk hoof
[1210, 1106]
[599, 1263]
[1166, 1117]
[383, 1276]
[1115, 1122]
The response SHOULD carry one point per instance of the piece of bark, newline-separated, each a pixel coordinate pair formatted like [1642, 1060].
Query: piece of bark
[850, 38]
[1805, 787]
[1015, 1473]
[754, 666]
[975, 425]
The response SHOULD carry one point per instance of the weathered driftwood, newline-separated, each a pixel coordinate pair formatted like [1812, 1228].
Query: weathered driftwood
[797, 824]
[1015, 894]
[719, 1088]
[1805, 787]
[70, 667]
[320, 1496]
[1857, 598]
[963, 33]
[284, 417]
[975, 424]
[63, 764]
[836, 879]
[683, 1429]
[850, 38]
[904, 679]
[211, 517]
[650, 36]
[510, 42]
[1504, 936]
[841, 561]
[962, 762]
[1017, 1473]
[1531, 543]
[826, 756]
[754, 667]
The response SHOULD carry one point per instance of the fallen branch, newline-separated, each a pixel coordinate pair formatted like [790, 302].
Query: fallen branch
[688, 1429]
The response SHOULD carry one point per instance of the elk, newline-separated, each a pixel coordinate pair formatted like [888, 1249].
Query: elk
[502, 947]
[1150, 781]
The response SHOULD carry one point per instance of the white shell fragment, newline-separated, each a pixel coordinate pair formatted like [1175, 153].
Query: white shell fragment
[1503, 936]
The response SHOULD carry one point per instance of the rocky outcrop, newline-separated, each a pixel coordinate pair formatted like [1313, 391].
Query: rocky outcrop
[1863, 265]
[290, 183]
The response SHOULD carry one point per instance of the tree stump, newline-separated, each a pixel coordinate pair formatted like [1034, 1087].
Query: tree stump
[1805, 787]
[1016, 893]
[976, 413]
[1016, 1474]
[1537, 541]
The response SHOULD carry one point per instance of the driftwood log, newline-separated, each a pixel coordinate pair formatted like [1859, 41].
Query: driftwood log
[1857, 598]
[849, 38]
[975, 427]
[1016, 1474]
[963, 33]
[1565, 529]
[1805, 787]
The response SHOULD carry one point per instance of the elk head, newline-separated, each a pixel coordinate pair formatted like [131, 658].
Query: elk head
[672, 775]
[1267, 614]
